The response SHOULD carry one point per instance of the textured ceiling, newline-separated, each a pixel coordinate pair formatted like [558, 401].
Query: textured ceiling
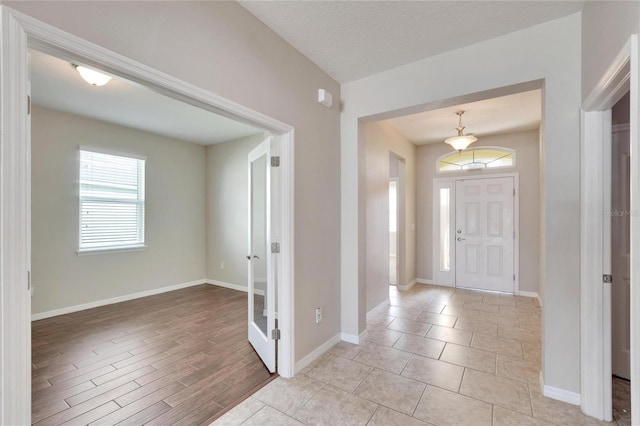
[354, 39]
[506, 114]
[55, 84]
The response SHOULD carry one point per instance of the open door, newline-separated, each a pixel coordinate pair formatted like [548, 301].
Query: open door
[261, 274]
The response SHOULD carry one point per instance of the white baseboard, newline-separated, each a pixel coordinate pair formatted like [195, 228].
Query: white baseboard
[407, 286]
[112, 300]
[424, 281]
[352, 338]
[530, 294]
[316, 353]
[243, 288]
[561, 395]
[377, 309]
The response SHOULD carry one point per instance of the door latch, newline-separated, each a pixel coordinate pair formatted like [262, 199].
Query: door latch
[607, 278]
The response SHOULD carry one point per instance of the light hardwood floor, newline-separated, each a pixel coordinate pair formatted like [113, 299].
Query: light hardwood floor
[176, 358]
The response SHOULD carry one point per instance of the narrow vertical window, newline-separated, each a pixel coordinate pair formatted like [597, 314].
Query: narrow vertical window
[111, 201]
[445, 230]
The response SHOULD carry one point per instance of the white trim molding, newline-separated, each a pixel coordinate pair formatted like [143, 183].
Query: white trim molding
[117, 299]
[561, 395]
[621, 76]
[407, 286]
[317, 353]
[430, 282]
[352, 338]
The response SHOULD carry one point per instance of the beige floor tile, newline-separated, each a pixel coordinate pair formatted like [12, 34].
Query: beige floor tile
[504, 417]
[511, 311]
[420, 345]
[381, 336]
[460, 312]
[488, 343]
[345, 350]
[469, 357]
[332, 406]
[532, 351]
[438, 319]
[241, 412]
[270, 417]
[393, 391]
[518, 369]
[340, 372]
[379, 320]
[409, 326]
[383, 358]
[441, 407]
[558, 412]
[434, 372]
[517, 333]
[493, 299]
[399, 312]
[477, 326]
[386, 417]
[498, 318]
[452, 335]
[434, 308]
[288, 395]
[496, 390]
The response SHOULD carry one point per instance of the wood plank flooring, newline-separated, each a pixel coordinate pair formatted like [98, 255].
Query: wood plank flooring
[176, 358]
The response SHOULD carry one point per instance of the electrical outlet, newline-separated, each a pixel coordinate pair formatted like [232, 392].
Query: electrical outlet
[318, 315]
[221, 265]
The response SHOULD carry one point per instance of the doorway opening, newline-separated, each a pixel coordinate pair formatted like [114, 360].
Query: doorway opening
[393, 231]
[620, 261]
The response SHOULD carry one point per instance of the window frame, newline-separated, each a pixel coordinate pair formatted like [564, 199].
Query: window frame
[138, 246]
[507, 151]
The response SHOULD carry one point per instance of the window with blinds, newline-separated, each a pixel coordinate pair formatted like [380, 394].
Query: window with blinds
[111, 201]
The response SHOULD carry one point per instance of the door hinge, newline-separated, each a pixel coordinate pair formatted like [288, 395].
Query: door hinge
[275, 161]
[514, 235]
[514, 191]
[28, 280]
[514, 277]
[275, 334]
[28, 105]
[607, 278]
[275, 247]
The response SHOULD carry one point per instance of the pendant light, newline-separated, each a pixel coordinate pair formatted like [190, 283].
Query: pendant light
[92, 77]
[461, 141]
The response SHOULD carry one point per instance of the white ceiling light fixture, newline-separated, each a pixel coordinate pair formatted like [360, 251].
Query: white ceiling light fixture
[461, 141]
[92, 77]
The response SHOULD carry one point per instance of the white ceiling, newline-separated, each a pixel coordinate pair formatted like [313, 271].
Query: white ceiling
[506, 114]
[55, 84]
[354, 39]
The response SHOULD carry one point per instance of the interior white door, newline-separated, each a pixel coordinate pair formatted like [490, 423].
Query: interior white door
[484, 235]
[261, 275]
[620, 252]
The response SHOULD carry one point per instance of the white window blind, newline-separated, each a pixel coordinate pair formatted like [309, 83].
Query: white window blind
[111, 201]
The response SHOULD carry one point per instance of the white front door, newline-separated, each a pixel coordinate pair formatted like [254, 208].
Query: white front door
[261, 276]
[484, 234]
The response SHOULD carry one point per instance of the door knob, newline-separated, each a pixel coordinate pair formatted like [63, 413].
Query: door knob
[248, 257]
[460, 239]
[255, 256]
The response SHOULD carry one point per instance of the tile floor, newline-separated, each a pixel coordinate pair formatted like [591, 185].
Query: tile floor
[435, 356]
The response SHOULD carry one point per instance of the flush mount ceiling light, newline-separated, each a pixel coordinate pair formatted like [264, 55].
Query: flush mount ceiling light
[460, 142]
[92, 77]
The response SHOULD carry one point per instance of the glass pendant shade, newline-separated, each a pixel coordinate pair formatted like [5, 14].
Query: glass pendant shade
[92, 77]
[460, 143]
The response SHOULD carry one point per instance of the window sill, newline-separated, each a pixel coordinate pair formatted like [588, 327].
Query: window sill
[103, 250]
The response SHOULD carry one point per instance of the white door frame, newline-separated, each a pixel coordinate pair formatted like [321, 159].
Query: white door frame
[396, 180]
[18, 32]
[595, 296]
[448, 279]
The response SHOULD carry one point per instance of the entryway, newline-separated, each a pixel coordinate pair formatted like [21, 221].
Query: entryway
[475, 221]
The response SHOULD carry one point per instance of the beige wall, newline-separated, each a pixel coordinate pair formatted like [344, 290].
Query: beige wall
[221, 47]
[526, 146]
[381, 140]
[226, 209]
[174, 217]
